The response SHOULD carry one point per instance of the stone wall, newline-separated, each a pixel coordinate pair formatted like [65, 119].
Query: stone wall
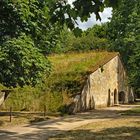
[2, 97]
[123, 85]
[103, 86]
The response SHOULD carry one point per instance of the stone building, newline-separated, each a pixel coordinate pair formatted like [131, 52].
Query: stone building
[105, 86]
[3, 95]
[82, 81]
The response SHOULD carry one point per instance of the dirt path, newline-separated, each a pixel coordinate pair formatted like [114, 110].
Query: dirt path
[43, 130]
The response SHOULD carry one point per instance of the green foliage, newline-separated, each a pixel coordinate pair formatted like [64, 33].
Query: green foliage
[33, 99]
[92, 39]
[40, 18]
[86, 43]
[21, 62]
[64, 13]
[67, 79]
[30, 27]
[134, 66]
[65, 41]
[62, 42]
[37, 18]
[134, 111]
[123, 31]
[2, 87]
[24, 28]
[10, 21]
[52, 101]
[70, 71]
[43, 20]
[31, 17]
[84, 8]
[98, 31]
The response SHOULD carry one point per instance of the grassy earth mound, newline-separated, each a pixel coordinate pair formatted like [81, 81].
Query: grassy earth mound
[69, 72]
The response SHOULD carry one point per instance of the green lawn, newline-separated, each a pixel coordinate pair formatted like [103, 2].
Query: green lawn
[133, 111]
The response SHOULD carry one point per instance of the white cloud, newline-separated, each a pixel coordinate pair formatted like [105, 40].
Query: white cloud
[70, 1]
[92, 20]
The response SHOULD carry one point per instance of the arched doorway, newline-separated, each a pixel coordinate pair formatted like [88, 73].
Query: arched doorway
[109, 98]
[115, 97]
[121, 97]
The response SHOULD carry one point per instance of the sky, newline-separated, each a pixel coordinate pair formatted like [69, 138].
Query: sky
[92, 20]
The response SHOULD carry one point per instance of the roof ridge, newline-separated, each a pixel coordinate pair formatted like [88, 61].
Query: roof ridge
[101, 62]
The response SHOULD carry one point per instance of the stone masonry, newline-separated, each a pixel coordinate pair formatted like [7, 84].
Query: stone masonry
[106, 86]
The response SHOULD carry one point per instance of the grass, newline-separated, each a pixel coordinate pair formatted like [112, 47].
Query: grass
[133, 111]
[78, 62]
[16, 120]
[71, 70]
[67, 79]
[137, 102]
[22, 118]
[125, 128]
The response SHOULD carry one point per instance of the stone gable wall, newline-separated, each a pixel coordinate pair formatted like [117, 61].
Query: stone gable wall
[2, 95]
[103, 86]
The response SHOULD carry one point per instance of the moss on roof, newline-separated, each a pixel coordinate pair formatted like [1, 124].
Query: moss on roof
[71, 70]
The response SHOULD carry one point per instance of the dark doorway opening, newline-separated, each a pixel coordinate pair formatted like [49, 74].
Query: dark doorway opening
[109, 98]
[121, 97]
[115, 97]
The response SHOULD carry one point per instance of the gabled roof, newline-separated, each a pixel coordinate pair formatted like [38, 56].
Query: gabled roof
[93, 59]
[104, 61]
[71, 70]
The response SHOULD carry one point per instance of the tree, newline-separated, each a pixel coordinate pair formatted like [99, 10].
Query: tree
[98, 30]
[89, 42]
[21, 63]
[65, 41]
[40, 21]
[38, 17]
[28, 16]
[92, 39]
[23, 27]
[123, 31]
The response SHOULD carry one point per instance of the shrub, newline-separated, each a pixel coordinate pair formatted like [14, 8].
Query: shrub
[21, 63]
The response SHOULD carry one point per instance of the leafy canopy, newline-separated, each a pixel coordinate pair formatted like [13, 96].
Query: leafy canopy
[29, 26]
[124, 34]
[22, 63]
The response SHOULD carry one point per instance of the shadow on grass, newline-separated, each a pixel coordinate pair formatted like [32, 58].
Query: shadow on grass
[42, 131]
[46, 130]
[134, 111]
[118, 133]
[34, 117]
[1, 123]
[38, 119]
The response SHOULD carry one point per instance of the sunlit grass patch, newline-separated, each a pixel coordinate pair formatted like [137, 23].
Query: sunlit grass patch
[133, 111]
[116, 129]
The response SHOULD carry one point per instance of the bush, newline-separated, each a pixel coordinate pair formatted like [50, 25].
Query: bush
[21, 63]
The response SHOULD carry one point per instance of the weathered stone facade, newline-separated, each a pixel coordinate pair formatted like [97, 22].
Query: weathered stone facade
[3, 95]
[106, 86]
